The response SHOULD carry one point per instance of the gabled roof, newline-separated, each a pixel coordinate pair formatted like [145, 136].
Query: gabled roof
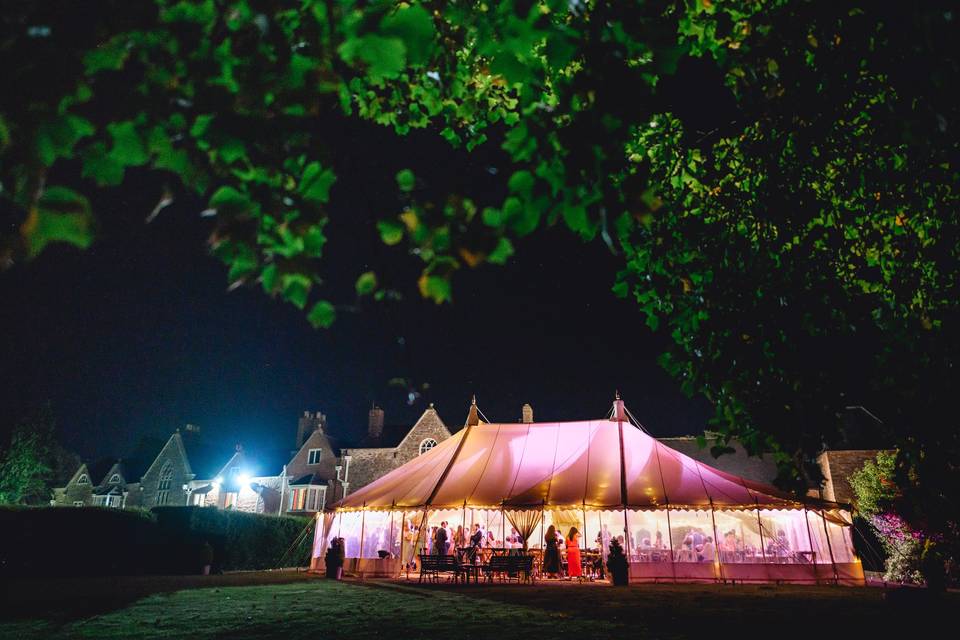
[314, 479]
[598, 464]
[390, 438]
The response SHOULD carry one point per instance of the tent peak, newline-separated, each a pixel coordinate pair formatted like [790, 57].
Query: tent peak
[473, 415]
[619, 413]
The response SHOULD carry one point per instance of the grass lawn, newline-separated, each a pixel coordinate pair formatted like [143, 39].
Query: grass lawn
[301, 607]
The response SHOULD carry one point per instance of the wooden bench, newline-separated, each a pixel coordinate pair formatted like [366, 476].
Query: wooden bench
[432, 566]
[510, 567]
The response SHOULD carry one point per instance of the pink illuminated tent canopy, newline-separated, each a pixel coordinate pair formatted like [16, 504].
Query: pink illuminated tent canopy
[594, 464]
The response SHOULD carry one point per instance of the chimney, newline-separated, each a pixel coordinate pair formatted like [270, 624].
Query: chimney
[375, 422]
[526, 414]
[309, 422]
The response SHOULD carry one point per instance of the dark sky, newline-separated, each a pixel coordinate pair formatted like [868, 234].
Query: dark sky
[138, 335]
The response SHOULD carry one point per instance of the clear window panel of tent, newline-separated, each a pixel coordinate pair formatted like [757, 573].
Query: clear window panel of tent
[376, 533]
[738, 537]
[649, 536]
[349, 527]
[841, 542]
[693, 537]
[412, 541]
[564, 520]
[435, 520]
[821, 550]
[786, 537]
[490, 523]
[612, 527]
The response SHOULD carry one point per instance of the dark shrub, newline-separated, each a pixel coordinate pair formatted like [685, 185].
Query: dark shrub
[92, 541]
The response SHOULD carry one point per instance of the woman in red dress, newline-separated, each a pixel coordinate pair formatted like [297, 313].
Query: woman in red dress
[573, 553]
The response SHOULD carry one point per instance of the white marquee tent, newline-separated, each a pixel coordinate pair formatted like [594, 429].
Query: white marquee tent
[609, 479]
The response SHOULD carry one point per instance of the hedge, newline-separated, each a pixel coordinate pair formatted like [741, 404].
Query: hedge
[93, 541]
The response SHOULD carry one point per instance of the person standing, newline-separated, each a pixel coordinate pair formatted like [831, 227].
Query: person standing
[573, 554]
[551, 555]
[440, 542]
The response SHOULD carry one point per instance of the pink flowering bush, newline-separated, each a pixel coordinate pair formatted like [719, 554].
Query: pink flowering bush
[902, 545]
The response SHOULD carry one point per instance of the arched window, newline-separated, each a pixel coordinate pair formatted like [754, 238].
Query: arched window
[426, 445]
[163, 487]
[114, 479]
[83, 479]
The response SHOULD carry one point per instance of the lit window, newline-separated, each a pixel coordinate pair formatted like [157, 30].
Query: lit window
[83, 479]
[313, 456]
[426, 445]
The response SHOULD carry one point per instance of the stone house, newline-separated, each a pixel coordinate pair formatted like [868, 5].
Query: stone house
[324, 467]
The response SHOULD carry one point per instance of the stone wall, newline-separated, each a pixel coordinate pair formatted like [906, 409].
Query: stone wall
[837, 467]
[428, 426]
[366, 465]
[172, 452]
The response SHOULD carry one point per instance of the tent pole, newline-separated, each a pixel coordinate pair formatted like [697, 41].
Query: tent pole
[623, 487]
[403, 535]
[836, 576]
[813, 554]
[363, 520]
[463, 525]
[716, 542]
[583, 535]
[673, 557]
[763, 550]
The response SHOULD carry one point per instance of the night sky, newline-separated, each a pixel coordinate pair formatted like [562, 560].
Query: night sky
[138, 335]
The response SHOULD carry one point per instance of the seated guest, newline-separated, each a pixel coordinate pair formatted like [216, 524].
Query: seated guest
[658, 543]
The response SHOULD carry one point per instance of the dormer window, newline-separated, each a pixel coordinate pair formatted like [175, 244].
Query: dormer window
[83, 479]
[313, 456]
[114, 479]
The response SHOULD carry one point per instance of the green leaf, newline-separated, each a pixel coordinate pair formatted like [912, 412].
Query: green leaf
[201, 124]
[521, 182]
[366, 283]
[108, 56]
[406, 180]
[56, 138]
[501, 252]
[61, 215]
[576, 218]
[414, 26]
[391, 231]
[269, 277]
[228, 201]
[128, 146]
[492, 217]
[296, 288]
[100, 166]
[316, 182]
[435, 288]
[314, 241]
[322, 315]
[384, 57]
[4, 133]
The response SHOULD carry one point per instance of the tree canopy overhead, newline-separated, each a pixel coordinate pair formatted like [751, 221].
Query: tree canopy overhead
[796, 233]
